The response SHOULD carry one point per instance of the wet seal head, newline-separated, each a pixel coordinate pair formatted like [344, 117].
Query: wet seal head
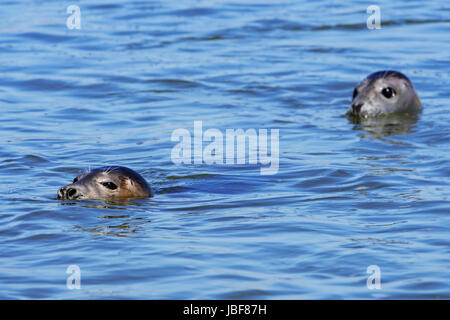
[106, 183]
[382, 93]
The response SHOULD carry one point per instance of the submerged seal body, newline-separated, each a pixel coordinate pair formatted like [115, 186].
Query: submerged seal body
[382, 93]
[108, 183]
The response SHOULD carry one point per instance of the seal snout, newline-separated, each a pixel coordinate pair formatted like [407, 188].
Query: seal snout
[68, 193]
[356, 107]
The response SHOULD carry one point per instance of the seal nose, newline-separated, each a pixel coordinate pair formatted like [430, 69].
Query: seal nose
[71, 192]
[67, 193]
[356, 107]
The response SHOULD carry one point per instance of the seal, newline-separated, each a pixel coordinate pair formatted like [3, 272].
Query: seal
[382, 93]
[106, 183]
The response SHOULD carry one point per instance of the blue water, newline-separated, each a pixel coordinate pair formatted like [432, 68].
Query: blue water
[346, 196]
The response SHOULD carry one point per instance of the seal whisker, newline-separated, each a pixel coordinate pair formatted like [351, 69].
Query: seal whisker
[110, 169]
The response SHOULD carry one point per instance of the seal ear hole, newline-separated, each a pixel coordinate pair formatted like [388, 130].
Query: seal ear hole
[388, 92]
[109, 185]
[355, 93]
[75, 180]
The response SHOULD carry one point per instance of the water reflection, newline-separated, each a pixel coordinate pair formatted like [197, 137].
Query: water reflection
[381, 127]
[122, 224]
[105, 204]
[117, 226]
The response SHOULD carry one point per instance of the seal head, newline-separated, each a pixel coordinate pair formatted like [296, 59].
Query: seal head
[108, 183]
[384, 92]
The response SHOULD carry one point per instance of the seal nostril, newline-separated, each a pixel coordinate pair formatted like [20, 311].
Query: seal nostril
[71, 192]
[356, 107]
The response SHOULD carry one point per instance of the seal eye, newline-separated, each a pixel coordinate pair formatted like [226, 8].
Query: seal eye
[388, 92]
[110, 185]
[355, 93]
